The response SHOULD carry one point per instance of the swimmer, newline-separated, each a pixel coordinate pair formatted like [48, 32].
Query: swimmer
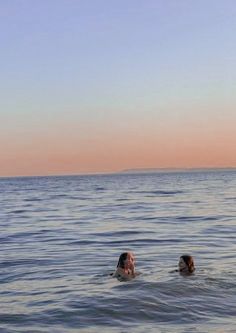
[125, 268]
[186, 264]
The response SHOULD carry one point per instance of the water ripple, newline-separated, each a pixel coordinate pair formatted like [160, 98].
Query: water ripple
[61, 238]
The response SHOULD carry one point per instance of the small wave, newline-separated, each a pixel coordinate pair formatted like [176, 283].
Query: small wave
[33, 199]
[25, 262]
[198, 218]
[160, 192]
[127, 241]
[99, 188]
[19, 211]
[121, 233]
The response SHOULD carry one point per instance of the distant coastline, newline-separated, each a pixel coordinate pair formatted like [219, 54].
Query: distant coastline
[153, 170]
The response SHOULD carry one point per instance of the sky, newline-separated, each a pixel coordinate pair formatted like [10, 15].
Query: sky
[94, 86]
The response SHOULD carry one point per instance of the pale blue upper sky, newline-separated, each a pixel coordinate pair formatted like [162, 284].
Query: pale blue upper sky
[105, 61]
[100, 53]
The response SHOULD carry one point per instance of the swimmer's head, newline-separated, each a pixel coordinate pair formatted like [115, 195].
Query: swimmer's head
[186, 264]
[126, 260]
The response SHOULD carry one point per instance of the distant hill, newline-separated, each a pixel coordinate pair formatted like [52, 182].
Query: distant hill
[153, 170]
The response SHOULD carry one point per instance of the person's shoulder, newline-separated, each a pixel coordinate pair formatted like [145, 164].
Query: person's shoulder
[117, 273]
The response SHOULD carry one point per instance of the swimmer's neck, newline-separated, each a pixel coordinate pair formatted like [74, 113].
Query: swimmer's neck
[126, 271]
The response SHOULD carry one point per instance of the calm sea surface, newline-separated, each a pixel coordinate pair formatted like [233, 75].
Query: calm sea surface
[62, 236]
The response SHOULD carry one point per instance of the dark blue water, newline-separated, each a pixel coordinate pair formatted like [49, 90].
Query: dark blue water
[62, 236]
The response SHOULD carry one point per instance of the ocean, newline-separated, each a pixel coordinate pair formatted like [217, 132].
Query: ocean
[61, 237]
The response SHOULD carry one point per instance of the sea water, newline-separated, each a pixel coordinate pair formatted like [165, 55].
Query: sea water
[61, 237]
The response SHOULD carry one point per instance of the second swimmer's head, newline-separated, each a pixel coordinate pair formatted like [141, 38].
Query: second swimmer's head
[126, 260]
[186, 264]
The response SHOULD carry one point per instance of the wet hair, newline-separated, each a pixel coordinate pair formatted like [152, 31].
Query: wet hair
[123, 257]
[189, 262]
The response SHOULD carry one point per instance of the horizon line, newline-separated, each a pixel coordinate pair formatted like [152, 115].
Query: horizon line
[129, 170]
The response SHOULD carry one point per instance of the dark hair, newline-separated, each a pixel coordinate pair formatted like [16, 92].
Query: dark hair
[121, 262]
[189, 262]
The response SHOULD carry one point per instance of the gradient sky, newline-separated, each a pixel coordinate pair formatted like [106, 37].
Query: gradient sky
[103, 85]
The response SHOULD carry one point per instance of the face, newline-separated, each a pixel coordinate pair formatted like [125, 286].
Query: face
[130, 261]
